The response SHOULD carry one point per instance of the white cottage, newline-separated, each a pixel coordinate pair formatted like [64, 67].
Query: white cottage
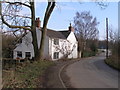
[58, 44]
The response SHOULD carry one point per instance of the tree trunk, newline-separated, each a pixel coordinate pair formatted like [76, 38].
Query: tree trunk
[33, 30]
[41, 49]
[79, 54]
[48, 12]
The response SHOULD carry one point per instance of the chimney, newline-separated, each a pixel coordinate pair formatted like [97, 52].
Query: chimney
[71, 28]
[38, 22]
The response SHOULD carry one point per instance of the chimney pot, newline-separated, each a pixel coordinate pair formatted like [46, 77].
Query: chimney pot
[37, 22]
[71, 28]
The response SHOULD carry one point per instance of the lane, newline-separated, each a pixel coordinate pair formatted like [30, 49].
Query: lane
[92, 73]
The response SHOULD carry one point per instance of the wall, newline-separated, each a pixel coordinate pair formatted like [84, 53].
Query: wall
[50, 48]
[56, 48]
[72, 39]
[26, 45]
[65, 46]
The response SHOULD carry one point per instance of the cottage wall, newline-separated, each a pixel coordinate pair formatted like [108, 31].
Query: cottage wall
[57, 48]
[26, 45]
[74, 44]
[64, 46]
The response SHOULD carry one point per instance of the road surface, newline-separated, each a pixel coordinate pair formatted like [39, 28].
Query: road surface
[92, 73]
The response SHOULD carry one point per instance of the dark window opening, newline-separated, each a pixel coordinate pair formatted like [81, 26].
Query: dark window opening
[56, 55]
[56, 41]
[20, 40]
[27, 54]
[19, 54]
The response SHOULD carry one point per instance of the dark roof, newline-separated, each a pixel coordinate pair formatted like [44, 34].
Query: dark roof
[55, 34]
[58, 34]
[65, 33]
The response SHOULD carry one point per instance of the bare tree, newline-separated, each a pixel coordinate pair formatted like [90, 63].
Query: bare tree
[13, 19]
[48, 12]
[114, 47]
[113, 41]
[112, 34]
[7, 45]
[85, 28]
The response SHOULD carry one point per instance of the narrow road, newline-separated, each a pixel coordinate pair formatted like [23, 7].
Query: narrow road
[92, 73]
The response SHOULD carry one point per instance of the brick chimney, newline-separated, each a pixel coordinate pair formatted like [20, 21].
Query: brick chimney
[38, 22]
[71, 28]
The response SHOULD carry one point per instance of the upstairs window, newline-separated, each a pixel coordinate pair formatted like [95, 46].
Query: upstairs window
[20, 40]
[56, 41]
[27, 54]
[56, 55]
[19, 53]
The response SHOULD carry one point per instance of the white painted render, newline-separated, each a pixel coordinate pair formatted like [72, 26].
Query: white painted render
[50, 47]
[57, 48]
[25, 46]
[74, 45]
[70, 43]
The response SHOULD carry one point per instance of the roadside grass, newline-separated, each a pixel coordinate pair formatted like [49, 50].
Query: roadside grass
[88, 53]
[113, 62]
[28, 75]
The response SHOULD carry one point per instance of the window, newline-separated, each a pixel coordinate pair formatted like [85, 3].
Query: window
[56, 41]
[19, 54]
[56, 55]
[20, 40]
[27, 54]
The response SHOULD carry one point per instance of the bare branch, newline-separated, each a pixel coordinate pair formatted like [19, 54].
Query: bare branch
[49, 10]
[20, 3]
[13, 26]
[18, 16]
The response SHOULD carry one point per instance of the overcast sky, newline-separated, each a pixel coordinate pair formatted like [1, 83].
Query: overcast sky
[65, 11]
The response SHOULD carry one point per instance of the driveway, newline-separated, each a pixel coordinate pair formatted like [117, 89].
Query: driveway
[92, 73]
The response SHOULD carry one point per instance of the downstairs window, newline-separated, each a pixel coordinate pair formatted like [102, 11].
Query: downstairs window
[19, 53]
[27, 54]
[56, 55]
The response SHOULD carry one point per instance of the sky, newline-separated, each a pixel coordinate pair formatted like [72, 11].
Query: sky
[64, 13]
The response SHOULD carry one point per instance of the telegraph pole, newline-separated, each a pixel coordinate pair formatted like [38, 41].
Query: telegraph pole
[106, 37]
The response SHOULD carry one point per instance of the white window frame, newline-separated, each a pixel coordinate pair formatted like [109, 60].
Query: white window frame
[56, 55]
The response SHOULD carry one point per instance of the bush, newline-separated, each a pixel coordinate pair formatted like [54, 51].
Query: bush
[9, 63]
[88, 53]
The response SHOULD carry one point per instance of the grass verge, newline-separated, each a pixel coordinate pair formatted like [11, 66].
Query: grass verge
[88, 53]
[113, 62]
[29, 75]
